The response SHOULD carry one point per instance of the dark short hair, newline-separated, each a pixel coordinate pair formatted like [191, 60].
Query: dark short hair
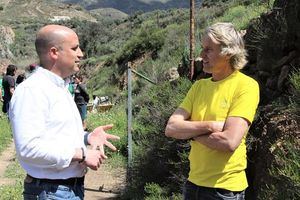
[20, 78]
[11, 69]
[32, 67]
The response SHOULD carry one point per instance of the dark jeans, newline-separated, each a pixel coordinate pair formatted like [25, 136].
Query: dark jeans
[195, 192]
[38, 190]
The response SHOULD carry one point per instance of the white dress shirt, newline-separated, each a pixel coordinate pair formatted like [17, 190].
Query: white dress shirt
[46, 127]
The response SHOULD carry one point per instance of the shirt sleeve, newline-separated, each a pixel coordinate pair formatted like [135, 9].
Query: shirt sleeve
[11, 82]
[245, 101]
[28, 115]
[187, 103]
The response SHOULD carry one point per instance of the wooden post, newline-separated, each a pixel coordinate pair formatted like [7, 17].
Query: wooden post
[192, 37]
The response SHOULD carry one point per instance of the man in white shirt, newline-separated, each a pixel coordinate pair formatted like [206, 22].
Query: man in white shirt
[48, 133]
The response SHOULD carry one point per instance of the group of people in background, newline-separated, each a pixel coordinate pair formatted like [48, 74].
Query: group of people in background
[8, 83]
[76, 87]
[81, 97]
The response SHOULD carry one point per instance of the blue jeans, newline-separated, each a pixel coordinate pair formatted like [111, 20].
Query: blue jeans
[36, 190]
[82, 110]
[195, 192]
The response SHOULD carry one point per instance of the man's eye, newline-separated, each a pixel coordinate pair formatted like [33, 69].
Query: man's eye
[75, 48]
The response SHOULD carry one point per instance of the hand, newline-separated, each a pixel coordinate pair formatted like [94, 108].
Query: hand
[98, 138]
[216, 126]
[93, 159]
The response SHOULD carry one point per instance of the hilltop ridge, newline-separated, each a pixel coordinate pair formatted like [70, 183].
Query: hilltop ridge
[16, 10]
[131, 6]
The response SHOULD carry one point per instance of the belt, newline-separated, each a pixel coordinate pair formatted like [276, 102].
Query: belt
[69, 181]
[219, 190]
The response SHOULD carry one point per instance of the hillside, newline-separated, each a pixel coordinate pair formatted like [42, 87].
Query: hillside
[21, 19]
[30, 10]
[131, 6]
[110, 13]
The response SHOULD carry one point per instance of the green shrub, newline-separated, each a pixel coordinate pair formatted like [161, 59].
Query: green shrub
[285, 172]
[153, 191]
[295, 80]
[117, 117]
[241, 15]
[156, 158]
[148, 39]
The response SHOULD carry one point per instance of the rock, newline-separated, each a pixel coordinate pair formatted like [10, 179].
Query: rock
[172, 74]
[272, 42]
[285, 60]
[283, 77]
[7, 37]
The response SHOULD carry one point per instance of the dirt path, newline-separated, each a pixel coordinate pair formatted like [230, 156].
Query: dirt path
[104, 184]
[6, 158]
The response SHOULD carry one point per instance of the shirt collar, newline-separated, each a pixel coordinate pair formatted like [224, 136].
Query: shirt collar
[57, 80]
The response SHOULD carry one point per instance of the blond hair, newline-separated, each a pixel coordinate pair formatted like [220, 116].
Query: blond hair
[231, 42]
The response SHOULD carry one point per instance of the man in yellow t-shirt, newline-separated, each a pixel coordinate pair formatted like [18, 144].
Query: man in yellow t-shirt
[216, 115]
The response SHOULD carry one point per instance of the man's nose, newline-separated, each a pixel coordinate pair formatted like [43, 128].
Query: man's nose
[79, 53]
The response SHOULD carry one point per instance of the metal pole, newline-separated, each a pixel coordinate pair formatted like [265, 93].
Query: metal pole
[142, 76]
[129, 119]
[192, 37]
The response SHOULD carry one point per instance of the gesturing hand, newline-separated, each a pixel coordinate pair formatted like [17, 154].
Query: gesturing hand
[98, 138]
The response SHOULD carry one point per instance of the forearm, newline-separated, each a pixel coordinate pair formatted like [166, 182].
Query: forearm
[187, 129]
[215, 141]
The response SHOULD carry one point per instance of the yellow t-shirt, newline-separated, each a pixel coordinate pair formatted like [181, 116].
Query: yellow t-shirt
[236, 95]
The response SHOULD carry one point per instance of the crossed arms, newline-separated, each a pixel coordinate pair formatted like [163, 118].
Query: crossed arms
[223, 136]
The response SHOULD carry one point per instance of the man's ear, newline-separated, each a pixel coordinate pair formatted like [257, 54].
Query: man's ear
[53, 52]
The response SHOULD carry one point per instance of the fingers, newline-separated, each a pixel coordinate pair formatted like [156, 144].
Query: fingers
[112, 137]
[110, 145]
[107, 127]
[95, 158]
[102, 153]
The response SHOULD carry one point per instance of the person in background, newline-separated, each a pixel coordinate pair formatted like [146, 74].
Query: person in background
[31, 69]
[81, 98]
[20, 79]
[215, 115]
[1, 89]
[8, 84]
[47, 129]
[71, 86]
[96, 102]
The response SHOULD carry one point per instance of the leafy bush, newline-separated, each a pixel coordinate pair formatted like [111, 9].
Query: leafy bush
[156, 158]
[285, 172]
[241, 15]
[295, 80]
[116, 116]
[148, 39]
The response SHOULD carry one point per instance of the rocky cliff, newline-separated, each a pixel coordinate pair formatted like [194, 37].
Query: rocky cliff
[273, 44]
[7, 37]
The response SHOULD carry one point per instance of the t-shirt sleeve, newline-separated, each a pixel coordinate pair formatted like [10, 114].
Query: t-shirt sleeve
[245, 101]
[187, 103]
[11, 82]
